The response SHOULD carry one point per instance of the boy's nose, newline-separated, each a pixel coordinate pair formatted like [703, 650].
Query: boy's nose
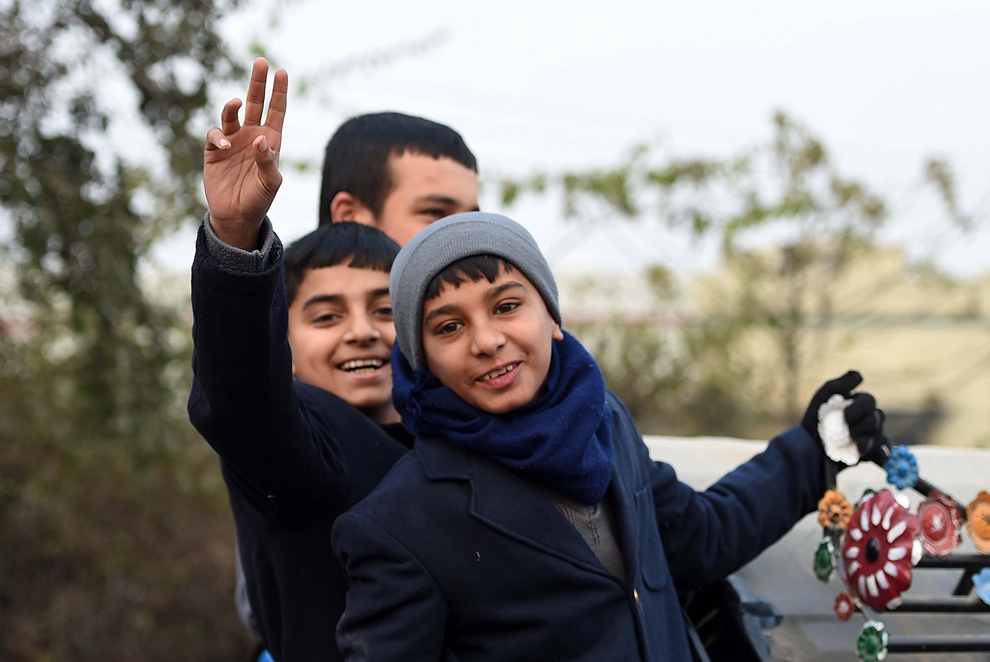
[487, 340]
[362, 330]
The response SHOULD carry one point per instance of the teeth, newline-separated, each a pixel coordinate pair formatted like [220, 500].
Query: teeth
[499, 372]
[360, 364]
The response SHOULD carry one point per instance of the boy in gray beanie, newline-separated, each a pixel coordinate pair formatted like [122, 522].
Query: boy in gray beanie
[454, 238]
[528, 522]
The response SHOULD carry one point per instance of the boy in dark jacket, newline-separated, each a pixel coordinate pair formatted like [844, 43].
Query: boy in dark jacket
[296, 453]
[528, 522]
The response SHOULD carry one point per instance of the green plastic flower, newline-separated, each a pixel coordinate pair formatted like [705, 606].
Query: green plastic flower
[823, 560]
[872, 643]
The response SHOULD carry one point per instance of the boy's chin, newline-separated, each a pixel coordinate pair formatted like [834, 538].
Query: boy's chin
[500, 405]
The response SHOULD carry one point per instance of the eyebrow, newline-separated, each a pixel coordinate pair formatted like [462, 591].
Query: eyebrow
[337, 298]
[489, 295]
[442, 310]
[322, 298]
[442, 200]
[496, 291]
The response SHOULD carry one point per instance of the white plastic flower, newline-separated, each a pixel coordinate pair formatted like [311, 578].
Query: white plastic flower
[834, 433]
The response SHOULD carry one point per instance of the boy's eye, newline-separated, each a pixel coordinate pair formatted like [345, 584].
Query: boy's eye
[436, 213]
[448, 328]
[326, 318]
[506, 307]
[384, 311]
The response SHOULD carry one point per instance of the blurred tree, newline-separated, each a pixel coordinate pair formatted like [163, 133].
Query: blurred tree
[792, 187]
[786, 221]
[677, 375]
[116, 537]
[106, 499]
[84, 205]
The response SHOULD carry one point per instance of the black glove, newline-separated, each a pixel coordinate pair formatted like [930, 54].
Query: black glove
[864, 419]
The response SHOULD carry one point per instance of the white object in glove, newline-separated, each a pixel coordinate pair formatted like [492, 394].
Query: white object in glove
[834, 432]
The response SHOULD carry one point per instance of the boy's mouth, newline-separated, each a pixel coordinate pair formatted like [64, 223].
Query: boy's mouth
[499, 372]
[361, 365]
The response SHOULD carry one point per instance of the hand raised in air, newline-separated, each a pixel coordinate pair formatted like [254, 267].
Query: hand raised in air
[240, 161]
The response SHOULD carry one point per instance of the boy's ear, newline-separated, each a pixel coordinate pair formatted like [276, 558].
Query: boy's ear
[557, 333]
[346, 207]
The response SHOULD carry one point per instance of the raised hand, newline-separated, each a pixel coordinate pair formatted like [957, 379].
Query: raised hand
[240, 161]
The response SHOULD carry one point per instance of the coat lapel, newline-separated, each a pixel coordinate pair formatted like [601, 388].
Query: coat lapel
[509, 503]
[627, 518]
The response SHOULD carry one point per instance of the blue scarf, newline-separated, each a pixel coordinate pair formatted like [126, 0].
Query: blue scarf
[563, 438]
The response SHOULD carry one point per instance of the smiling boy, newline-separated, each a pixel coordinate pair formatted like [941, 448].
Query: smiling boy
[494, 370]
[292, 383]
[528, 522]
[340, 316]
[295, 454]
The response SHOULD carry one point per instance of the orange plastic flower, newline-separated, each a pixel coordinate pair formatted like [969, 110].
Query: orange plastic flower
[834, 510]
[978, 522]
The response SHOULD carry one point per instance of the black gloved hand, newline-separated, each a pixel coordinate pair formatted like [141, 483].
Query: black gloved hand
[864, 419]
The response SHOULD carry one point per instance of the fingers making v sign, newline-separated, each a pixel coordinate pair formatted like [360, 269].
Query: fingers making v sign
[240, 160]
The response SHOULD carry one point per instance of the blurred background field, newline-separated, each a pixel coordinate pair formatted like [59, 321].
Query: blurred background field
[740, 202]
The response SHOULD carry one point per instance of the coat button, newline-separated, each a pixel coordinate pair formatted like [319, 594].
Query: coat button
[636, 597]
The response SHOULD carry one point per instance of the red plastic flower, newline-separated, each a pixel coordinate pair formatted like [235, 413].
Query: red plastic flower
[878, 550]
[844, 607]
[940, 522]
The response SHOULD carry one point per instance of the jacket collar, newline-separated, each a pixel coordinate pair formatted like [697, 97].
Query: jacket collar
[521, 509]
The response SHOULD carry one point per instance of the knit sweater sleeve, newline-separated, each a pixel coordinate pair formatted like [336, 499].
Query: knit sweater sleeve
[238, 259]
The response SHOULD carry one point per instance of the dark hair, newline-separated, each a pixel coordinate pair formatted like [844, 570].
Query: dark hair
[357, 155]
[472, 268]
[356, 245]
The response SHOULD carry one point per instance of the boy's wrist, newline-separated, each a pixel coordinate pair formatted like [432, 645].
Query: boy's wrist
[239, 234]
[235, 258]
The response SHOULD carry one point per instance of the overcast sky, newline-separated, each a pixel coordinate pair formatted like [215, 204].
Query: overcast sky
[554, 85]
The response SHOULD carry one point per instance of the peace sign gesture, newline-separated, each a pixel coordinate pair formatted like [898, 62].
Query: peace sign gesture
[240, 161]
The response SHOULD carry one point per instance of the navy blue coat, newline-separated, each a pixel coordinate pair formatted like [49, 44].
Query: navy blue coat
[454, 557]
[294, 457]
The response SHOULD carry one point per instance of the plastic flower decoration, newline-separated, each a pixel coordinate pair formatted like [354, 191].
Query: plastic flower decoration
[879, 550]
[834, 432]
[834, 510]
[872, 643]
[902, 468]
[981, 582]
[978, 522]
[823, 560]
[844, 607]
[867, 493]
[940, 522]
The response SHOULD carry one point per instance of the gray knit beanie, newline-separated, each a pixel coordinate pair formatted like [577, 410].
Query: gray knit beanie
[447, 241]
